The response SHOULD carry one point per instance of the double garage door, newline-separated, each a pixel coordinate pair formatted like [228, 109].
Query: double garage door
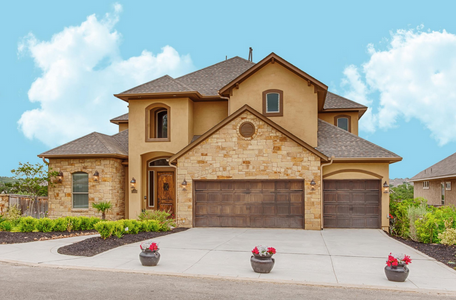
[249, 203]
[352, 203]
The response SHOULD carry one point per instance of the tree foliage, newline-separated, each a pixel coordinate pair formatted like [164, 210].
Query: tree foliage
[401, 192]
[31, 179]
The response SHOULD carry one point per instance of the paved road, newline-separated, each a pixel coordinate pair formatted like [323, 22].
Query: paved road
[26, 282]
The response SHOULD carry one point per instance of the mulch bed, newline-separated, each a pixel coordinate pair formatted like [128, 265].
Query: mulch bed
[25, 237]
[96, 245]
[442, 253]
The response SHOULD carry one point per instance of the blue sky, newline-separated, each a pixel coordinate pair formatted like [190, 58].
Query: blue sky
[62, 61]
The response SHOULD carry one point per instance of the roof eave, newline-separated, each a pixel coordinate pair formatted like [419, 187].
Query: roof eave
[432, 178]
[360, 111]
[112, 155]
[194, 95]
[390, 160]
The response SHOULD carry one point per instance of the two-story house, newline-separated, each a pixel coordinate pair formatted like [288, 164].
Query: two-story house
[235, 144]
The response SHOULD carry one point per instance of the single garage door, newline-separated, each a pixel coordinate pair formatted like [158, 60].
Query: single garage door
[244, 203]
[352, 203]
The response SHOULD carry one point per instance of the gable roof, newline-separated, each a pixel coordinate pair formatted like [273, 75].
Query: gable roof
[120, 119]
[319, 87]
[93, 145]
[202, 83]
[344, 145]
[335, 102]
[442, 169]
[233, 116]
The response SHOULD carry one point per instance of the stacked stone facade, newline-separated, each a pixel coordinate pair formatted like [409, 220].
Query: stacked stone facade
[109, 187]
[268, 154]
[4, 202]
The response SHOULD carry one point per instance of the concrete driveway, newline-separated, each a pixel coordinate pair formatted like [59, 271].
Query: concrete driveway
[334, 257]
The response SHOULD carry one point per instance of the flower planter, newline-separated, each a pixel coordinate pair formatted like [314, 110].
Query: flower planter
[397, 273]
[262, 264]
[149, 258]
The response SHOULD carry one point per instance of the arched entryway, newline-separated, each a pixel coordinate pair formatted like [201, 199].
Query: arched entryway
[160, 186]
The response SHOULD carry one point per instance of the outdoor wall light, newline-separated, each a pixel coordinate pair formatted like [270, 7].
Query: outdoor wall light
[96, 176]
[184, 185]
[133, 185]
[313, 183]
[60, 177]
[385, 188]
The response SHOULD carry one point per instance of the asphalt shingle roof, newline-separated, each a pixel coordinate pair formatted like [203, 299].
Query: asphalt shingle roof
[93, 143]
[333, 140]
[334, 101]
[122, 118]
[445, 167]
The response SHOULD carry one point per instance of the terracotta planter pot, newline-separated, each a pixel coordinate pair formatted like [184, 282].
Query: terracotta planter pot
[397, 274]
[262, 264]
[149, 258]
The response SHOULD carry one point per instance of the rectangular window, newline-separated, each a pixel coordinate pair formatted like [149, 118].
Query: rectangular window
[80, 190]
[425, 185]
[151, 188]
[448, 185]
[442, 188]
[342, 123]
[272, 103]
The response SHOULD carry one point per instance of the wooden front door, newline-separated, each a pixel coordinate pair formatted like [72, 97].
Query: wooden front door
[165, 191]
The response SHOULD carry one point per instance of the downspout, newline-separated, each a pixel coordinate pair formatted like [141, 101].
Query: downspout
[176, 185]
[46, 162]
[321, 187]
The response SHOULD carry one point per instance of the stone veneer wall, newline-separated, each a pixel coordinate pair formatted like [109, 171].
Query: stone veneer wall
[110, 187]
[4, 202]
[268, 155]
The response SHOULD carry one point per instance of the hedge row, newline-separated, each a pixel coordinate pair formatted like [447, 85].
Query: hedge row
[29, 224]
[107, 229]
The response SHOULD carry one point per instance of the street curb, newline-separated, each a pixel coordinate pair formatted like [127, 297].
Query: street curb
[240, 279]
[422, 253]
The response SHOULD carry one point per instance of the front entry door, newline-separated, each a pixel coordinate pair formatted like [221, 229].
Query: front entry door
[165, 191]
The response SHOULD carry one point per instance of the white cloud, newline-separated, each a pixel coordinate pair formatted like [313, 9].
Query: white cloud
[414, 78]
[81, 69]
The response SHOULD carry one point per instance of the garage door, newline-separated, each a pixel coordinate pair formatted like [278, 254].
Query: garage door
[243, 203]
[352, 203]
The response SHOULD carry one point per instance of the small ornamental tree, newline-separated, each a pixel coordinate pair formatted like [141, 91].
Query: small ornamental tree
[102, 207]
[32, 180]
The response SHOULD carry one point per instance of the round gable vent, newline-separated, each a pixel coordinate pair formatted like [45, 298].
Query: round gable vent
[247, 129]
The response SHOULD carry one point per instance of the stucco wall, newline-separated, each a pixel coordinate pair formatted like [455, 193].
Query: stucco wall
[208, 114]
[300, 114]
[329, 117]
[123, 126]
[362, 171]
[433, 194]
[110, 187]
[269, 155]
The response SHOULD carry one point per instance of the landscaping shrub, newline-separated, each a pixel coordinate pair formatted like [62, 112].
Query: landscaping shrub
[6, 226]
[102, 207]
[131, 226]
[152, 225]
[399, 210]
[13, 215]
[118, 228]
[28, 224]
[435, 222]
[105, 229]
[414, 213]
[448, 237]
[73, 223]
[60, 224]
[163, 217]
[45, 225]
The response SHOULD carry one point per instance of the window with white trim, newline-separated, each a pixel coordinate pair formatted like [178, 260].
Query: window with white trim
[80, 190]
[448, 185]
[425, 185]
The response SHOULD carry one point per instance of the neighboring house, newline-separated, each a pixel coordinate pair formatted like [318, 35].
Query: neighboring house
[437, 183]
[235, 144]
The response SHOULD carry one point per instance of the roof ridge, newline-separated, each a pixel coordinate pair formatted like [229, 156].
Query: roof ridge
[348, 99]
[220, 62]
[148, 83]
[106, 139]
[70, 142]
[358, 137]
[430, 176]
[118, 116]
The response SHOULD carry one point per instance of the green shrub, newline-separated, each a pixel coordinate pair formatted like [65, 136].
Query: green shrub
[73, 223]
[162, 217]
[131, 226]
[398, 209]
[414, 213]
[28, 224]
[13, 215]
[92, 222]
[119, 229]
[435, 222]
[60, 224]
[448, 237]
[45, 225]
[152, 225]
[105, 229]
[6, 226]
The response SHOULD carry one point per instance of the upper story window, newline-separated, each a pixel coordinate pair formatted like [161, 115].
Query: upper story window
[425, 185]
[448, 185]
[273, 103]
[343, 122]
[157, 123]
[80, 190]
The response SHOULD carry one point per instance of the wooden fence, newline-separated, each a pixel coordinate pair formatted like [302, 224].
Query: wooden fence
[29, 207]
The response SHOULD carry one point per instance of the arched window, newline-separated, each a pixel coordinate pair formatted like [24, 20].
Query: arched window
[273, 103]
[343, 122]
[80, 190]
[157, 123]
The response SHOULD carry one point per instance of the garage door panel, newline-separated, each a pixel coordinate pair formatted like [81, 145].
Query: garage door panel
[244, 203]
[351, 203]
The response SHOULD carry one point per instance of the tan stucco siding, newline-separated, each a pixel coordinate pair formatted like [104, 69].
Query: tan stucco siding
[140, 150]
[123, 126]
[329, 117]
[362, 171]
[110, 187]
[269, 155]
[433, 194]
[208, 114]
[300, 111]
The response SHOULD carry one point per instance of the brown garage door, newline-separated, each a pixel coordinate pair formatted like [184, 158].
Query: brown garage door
[243, 203]
[352, 203]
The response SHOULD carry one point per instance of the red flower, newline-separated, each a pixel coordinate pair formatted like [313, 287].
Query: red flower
[255, 251]
[391, 216]
[407, 260]
[272, 250]
[394, 263]
[153, 247]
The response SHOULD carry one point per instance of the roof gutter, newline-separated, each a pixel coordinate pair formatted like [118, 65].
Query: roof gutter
[432, 178]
